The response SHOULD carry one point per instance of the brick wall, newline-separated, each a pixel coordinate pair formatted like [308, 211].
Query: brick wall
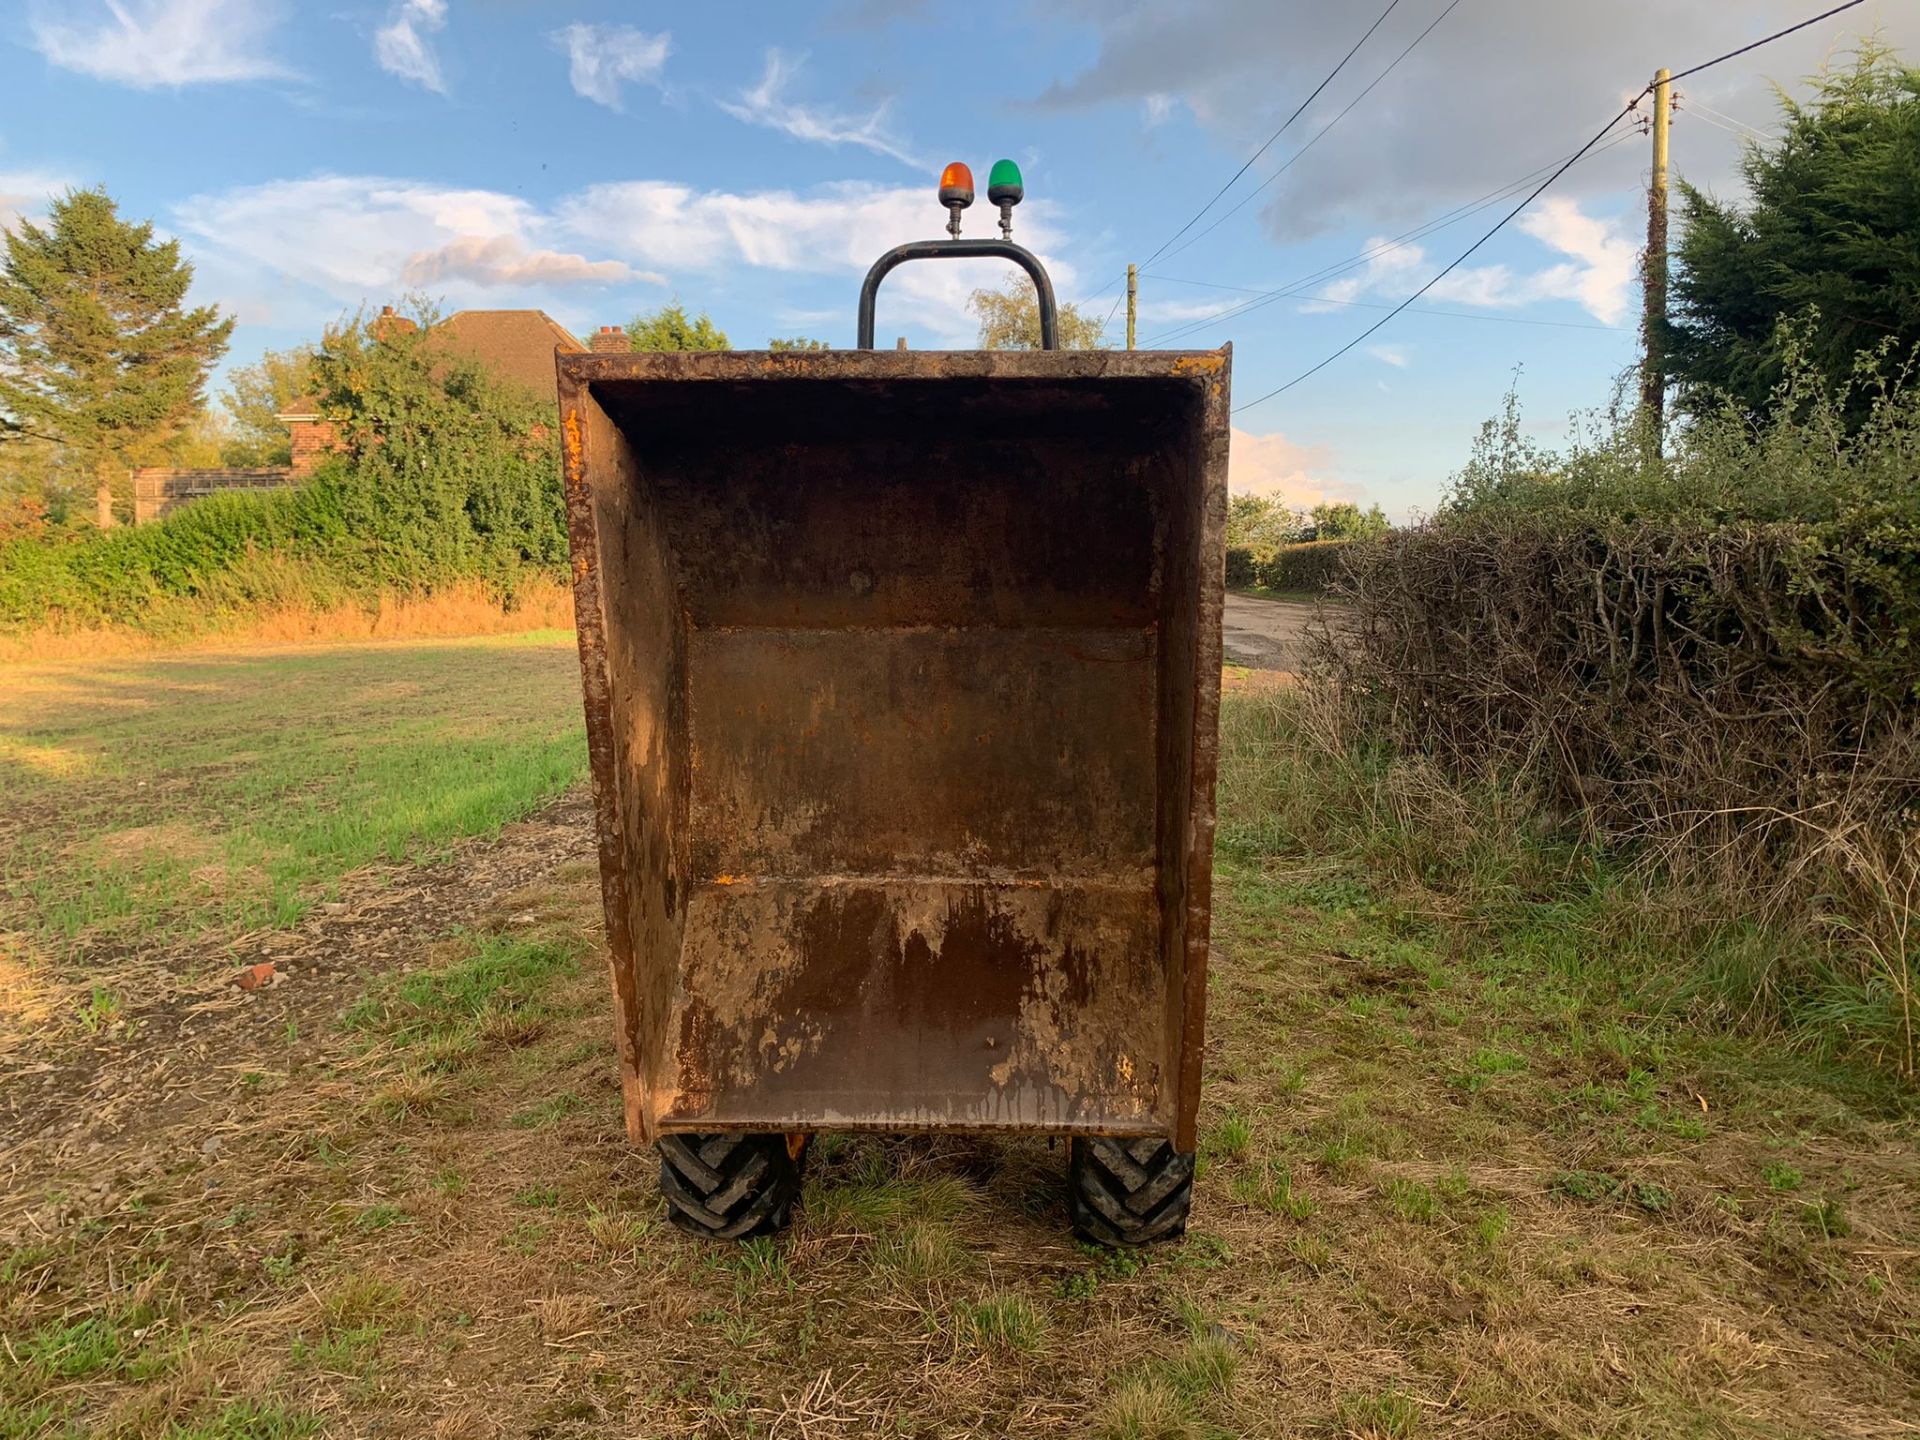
[159, 490]
[313, 441]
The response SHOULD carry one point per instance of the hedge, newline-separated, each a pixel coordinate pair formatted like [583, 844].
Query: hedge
[1314, 567]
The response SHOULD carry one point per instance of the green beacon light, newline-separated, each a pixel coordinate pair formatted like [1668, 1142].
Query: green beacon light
[1005, 190]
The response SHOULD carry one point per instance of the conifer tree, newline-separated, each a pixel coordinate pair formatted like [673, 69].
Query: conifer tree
[98, 354]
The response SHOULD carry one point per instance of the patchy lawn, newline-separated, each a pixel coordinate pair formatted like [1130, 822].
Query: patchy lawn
[1468, 1169]
[153, 801]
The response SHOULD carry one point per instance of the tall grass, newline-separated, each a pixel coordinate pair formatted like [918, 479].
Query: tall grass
[1523, 884]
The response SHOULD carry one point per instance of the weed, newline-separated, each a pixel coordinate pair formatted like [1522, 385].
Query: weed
[540, 1197]
[1782, 1177]
[1824, 1218]
[1270, 1186]
[1379, 1415]
[919, 1253]
[379, 1217]
[73, 1350]
[1412, 1200]
[1491, 1228]
[1004, 1322]
[621, 1234]
[245, 1420]
[101, 1012]
[547, 1112]
[1229, 1139]
[449, 1182]
[1145, 1407]
[1592, 1185]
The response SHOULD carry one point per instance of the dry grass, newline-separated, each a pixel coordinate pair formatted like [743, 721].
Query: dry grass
[461, 608]
[1456, 1185]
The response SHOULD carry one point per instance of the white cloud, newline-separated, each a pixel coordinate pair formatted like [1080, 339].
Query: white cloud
[1600, 275]
[504, 260]
[600, 58]
[401, 45]
[150, 43]
[1394, 355]
[368, 238]
[1609, 259]
[24, 194]
[1156, 107]
[360, 239]
[766, 104]
[1296, 475]
[836, 228]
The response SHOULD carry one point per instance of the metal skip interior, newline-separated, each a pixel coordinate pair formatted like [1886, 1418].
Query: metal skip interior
[901, 676]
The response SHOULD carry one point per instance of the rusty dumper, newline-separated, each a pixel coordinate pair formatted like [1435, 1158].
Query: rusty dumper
[902, 675]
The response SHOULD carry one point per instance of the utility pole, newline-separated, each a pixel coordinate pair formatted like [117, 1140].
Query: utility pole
[1133, 292]
[1653, 370]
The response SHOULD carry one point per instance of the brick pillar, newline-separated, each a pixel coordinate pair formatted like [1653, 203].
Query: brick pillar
[312, 441]
[610, 340]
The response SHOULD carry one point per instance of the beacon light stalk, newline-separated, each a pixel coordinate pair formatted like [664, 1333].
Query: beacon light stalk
[956, 193]
[1004, 188]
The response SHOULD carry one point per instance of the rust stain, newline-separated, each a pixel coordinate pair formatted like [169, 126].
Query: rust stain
[905, 786]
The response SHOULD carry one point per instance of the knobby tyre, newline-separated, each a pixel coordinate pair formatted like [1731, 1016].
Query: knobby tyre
[1130, 1192]
[730, 1187]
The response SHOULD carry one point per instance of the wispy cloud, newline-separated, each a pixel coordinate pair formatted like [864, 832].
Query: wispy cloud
[1598, 275]
[767, 104]
[1394, 355]
[153, 43]
[401, 45]
[366, 238]
[362, 238]
[24, 194]
[601, 58]
[505, 260]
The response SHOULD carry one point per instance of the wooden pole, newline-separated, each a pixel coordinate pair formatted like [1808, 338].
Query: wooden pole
[1653, 373]
[1133, 292]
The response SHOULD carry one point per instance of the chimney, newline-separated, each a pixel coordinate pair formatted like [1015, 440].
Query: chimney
[610, 340]
[390, 322]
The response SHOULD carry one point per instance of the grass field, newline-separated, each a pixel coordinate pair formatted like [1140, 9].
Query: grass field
[1477, 1159]
[151, 801]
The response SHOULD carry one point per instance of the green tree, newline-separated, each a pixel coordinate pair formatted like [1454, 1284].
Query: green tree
[1260, 520]
[1344, 520]
[1010, 320]
[256, 396]
[445, 471]
[1828, 238]
[98, 354]
[670, 328]
[797, 342]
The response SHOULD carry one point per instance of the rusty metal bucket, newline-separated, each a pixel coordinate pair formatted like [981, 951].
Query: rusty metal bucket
[902, 673]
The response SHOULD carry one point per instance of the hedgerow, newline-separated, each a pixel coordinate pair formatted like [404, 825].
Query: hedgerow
[445, 475]
[1712, 657]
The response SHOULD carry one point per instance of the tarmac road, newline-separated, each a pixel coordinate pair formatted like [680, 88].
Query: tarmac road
[1264, 634]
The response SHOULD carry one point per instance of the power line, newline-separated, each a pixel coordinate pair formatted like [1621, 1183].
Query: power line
[1501, 224]
[1451, 265]
[1391, 6]
[1291, 159]
[1293, 288]
[1675, 79]
[1386, 305]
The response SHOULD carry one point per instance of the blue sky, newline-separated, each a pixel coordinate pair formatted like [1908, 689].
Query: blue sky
[595, 160]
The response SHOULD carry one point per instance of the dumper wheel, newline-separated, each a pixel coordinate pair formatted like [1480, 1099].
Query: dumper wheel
[1130, 1192]
[731, 1187]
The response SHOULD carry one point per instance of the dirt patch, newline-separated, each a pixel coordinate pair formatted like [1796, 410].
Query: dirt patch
[63, 1104]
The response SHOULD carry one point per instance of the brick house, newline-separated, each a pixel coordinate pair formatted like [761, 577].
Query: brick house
[514, 345]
